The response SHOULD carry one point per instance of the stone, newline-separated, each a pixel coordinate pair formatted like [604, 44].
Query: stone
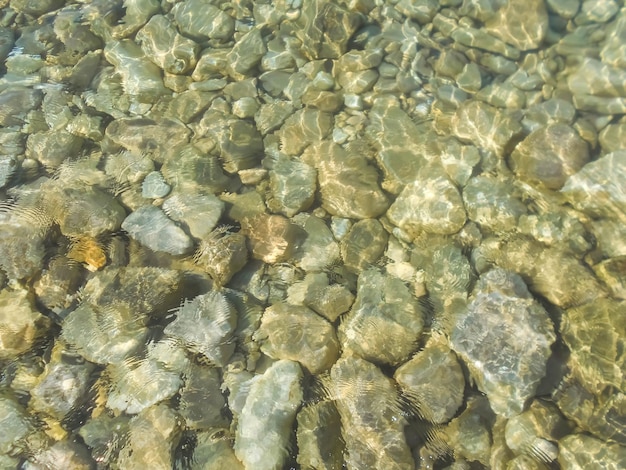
[154, 186]
[549, 156]
[507, 350]
[371, 417]
[303, 127]
[200, 19]
[425, 375]
[292, 185]
[222, 254]
[613, 137]
[214, 450]
[319, 250]
[265, 422]
[363, 245]
[609, 81]
[298, 334]
[247, 53]
[21, 324]
[384, 322]
[272, 238]
[599, 188]
[320, 444]
[204, 325]
[490, 203]
[152, 228]
[613, 51]
[324, 29]
[520, 23]
[580, 451]
[199, 213]
[485, 126]
[348, 183]
[15, 425]
[201, 400]
[431, 205]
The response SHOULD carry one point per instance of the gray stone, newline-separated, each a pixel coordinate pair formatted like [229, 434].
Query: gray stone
[15, 425]
[298, 334]
[154, 186]
[430, 204]
[507, 349]
[599, 189]
[265, 423]
[152, 228]
[596, 11]
[549, 155]
[425, 375]
[593, 77]
[490, 203]
[199, 213]
[386, 313]
[292, 185]
[205, 325]
[214, 450]
[613, 137]
[201, 400]
[371, 417]
[521, 23]
[581, 451]
[614, 52]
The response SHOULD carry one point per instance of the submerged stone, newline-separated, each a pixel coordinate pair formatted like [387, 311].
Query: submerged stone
[385, 321]
[20, 324]
[265, 422]
[549, 155]
[298, 334]
[504, 336]
[152, 228]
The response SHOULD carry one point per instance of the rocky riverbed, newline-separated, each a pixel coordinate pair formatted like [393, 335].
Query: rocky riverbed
[313, 234]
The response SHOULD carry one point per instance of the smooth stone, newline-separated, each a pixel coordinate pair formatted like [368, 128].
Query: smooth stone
[292, 185]
[154, 186]
[422, 378]
[314, 291]
[614, 52]
[348, 182]
[593, 77]
[21, 324]
[266, 420]
[305, 126]
[564, 8]
[386, 313]
[204, 325]
[319, 250]
[485, 126]
[363, 245]
[320, 444]
[222, 254]
[272, 238]
[549, 156]
[599, 188]
[582, 451]
[372, 420]
[502, 95]
[521, 23]
[596, 11]
[507, 349]
[152, 228]
[200, 19]
[298, 334]
[491, 204]
[431, 205]
[200, 213]
[613, 137]
[15, 422]
[152, 437]
[201, 400]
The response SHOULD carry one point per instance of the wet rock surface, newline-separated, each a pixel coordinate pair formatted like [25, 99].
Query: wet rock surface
[312, 234]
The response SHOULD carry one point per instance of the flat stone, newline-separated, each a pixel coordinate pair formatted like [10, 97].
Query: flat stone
[298, 334]
[521, 23]
[200, 213]
[550, 155]
[432, 205]
[348, 183]
[266, 420]
[599, 188]
[422, 378]
[387, 314]
[152, 228]
[507, 349]
[593, 77]
[21, 324]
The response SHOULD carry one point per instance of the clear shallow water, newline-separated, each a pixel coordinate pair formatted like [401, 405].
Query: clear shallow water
[361, 234]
